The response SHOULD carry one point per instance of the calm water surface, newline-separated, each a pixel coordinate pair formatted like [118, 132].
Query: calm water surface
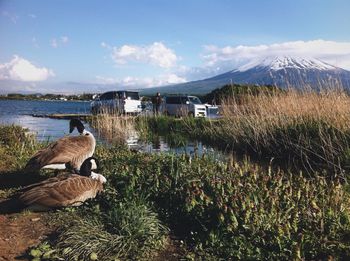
[20, 112]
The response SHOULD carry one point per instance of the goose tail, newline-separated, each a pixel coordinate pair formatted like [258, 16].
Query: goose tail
[33, 165]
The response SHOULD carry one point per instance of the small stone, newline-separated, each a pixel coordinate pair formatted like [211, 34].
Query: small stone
[93, 256]
[35, 219]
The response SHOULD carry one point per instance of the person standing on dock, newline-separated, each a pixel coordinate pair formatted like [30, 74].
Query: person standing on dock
[157, 101]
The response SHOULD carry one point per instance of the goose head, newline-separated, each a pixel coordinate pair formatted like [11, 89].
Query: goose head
[75, 123]
[85, 170]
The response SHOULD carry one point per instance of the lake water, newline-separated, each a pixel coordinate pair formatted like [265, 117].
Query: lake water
[20, 112]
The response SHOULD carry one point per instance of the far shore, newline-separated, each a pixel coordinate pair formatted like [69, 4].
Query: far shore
[51, 100]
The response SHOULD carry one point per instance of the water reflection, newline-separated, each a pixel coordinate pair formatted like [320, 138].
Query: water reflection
[46, 129]
[161, 144]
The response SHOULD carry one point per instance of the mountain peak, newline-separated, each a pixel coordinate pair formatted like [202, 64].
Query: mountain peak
[282, 71]
[276, 63]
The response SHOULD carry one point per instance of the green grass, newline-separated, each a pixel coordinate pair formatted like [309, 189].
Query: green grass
[221, 210]
[242, 211]
[113, 227]
[16, 145]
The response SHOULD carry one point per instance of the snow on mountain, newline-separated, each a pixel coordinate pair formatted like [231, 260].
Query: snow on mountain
[283, 62]
[280, 71]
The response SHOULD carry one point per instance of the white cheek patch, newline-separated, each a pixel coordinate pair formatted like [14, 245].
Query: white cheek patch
[93, 164]
[98, 177]
[86, 133]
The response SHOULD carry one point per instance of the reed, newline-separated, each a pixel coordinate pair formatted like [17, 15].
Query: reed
[113, 127]
[310, 127]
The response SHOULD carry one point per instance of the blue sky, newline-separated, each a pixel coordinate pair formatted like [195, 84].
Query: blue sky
[76, 46]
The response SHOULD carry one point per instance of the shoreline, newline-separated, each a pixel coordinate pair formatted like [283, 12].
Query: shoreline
[7, 99]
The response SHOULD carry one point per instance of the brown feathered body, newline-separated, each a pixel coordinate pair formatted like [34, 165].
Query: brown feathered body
[60, 191]
[71, 150]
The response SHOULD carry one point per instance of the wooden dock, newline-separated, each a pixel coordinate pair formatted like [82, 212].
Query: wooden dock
[63, 116]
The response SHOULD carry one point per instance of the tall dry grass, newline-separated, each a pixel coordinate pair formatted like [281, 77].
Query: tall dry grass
[113, 127]
[313, 127]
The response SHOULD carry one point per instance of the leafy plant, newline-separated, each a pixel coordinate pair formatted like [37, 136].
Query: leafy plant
[238, 211]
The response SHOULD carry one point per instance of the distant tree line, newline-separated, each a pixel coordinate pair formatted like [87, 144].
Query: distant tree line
[19, 96]
[238, 91]
[214, 97]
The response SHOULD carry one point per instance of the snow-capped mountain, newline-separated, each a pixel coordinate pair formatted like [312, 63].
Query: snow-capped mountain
[281, 71]
[287, 62]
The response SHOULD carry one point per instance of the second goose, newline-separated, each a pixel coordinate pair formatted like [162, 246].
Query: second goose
[64, 190]
[67, 152]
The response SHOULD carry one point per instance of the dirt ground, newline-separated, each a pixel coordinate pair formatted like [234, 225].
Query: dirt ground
[19, 230]
[174, 251]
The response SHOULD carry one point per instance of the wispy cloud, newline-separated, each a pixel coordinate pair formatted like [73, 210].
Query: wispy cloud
[57, 42]
[54, 43]
[157, 54]
[20, 69]
[104, 45]
[13, 17]
[64, 39]
[35, 42]
[142, 82]
[32, 16]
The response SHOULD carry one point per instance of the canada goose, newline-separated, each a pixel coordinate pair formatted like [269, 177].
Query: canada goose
[64, 190]
[67, 152]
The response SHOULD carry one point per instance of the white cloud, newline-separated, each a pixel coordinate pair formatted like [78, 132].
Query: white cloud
[32, 16]
[230, 57]
[19, 69]
[143, 81]
[156, 54]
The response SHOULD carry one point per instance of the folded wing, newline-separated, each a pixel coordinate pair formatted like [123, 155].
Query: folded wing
[64, 150]
[70, 190]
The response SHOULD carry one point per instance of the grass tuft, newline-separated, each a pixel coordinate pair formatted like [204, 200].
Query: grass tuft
[126, 229]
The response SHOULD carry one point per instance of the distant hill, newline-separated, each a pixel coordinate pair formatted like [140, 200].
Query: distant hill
[285, 71]
[237, 91]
